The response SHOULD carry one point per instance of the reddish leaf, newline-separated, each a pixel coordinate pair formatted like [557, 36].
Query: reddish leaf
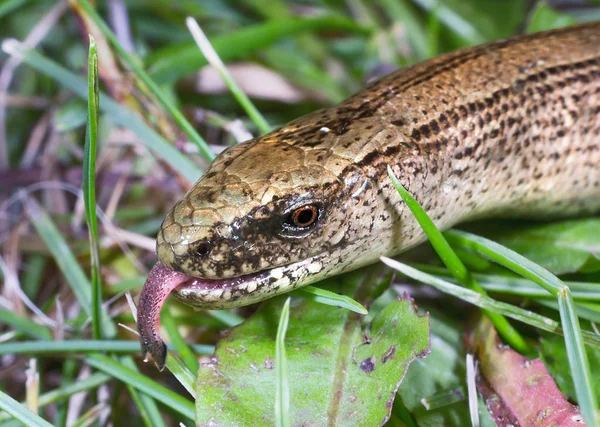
[517, 390]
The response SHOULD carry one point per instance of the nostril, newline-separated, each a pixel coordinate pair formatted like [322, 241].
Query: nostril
[203, 248]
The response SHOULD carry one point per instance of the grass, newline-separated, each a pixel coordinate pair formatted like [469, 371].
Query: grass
[579, 364]
[144, 129]
[89, 186]
[20, 412]
[141, 74]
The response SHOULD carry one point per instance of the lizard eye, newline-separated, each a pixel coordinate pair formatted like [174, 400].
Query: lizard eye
[303, 217]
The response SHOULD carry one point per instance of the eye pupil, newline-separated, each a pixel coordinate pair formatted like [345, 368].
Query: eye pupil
[203, 249]
[305, 216]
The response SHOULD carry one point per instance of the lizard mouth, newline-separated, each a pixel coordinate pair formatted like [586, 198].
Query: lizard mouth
[211, 294]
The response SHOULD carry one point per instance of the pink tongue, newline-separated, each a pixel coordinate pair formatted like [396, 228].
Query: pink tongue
[159, 284]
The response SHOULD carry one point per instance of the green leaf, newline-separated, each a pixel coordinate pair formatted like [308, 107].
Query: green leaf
[335, 376]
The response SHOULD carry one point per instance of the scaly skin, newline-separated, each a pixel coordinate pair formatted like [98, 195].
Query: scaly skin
[510, 128]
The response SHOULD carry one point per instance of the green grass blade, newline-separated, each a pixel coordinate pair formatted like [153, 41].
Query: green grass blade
[82, 346]
[472, 391]
[146, 405]
[581, 291]
[89, 417]
[282, 391]
[181, 371]
[24, 325]
[226, 317]
[178, 342]
[183, 374]
[455, 265]
[119, 114]
[584, 310]
[577, 355]
[159, 392]
[64, 392]
[91, 382]
[588, 310]
[437, 240]
[89, 186]
[331, 298]
[483, 301]
[8, 6]
[20, 412]
[31, 280]
[213, 58]
[444, 398]
[70, 346]
[508, 258]
[134, 64]
[67, 378]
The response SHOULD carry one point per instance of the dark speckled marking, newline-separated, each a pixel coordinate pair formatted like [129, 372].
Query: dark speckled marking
[389, 354]
[368, 365]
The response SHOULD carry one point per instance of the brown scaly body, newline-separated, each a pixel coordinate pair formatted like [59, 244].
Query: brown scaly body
[503, 129]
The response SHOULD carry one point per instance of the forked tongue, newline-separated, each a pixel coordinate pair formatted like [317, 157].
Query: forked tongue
[159, 284]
